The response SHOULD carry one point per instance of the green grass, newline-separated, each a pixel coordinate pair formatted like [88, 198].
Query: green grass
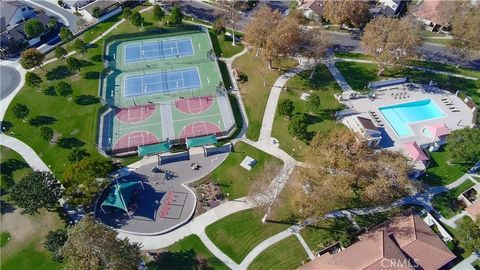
[323, 84]
[476, 264]
[358, 75]
[4, 238]
[456, 247]
[30, 257]
[253, 91]
[236, 180]
[12, 164]
[440, 172]
[286, 254]
[447, 204]
[353, 55]
[223, 46]
[237, 234]
[187, 253]
[327, 232]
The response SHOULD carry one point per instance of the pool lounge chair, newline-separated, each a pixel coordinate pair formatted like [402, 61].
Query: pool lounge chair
[456, 110]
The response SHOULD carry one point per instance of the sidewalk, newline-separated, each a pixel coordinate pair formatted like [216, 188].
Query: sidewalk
[25, 151]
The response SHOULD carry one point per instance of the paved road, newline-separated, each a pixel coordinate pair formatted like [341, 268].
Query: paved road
[54, 10]
[10, 78]
[345, 41]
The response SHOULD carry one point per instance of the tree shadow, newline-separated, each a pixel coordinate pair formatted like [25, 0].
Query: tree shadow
[6, 126]
[6, 207]
[181, 260]
[86, 100]
[96, 58]
[85, 63]
[92, 75]
[50, 91]
[11, 165]
[42, 120]
[58, 73]
[70, 142]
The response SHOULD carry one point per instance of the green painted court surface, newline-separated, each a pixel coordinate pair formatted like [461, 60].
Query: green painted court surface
[162, 87]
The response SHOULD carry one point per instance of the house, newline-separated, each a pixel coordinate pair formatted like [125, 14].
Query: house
[105, 7]
[312, 9]
[405, 242]
[76, 4]
[416, 154]
[14, 12]
[389, 7]
[435, 14]
[368, 131]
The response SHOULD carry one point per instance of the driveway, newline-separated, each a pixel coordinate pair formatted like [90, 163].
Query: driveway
[57, 11]
[10, 80]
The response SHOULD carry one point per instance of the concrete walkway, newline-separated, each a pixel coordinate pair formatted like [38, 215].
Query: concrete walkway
[338, 76]
[25, 151]
[466, 264]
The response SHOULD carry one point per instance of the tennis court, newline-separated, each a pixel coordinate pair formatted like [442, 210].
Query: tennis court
[162, 82]
[160, 49]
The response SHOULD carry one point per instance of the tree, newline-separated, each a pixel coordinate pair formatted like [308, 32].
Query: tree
[20, 111]
[343, 172]
[60, 53]
[319, 41]
[33, 80]
[314, 103]
[63, 88]
[264, 20]
[92, 245]
[391, 41]
[127, 13]
[65, 34]
[286, 108]
[298, 126]
[32, 58]
[466, 42]
[73, 64]
[261, 191]
[230, 15]
[469, 233]
[218, 26]
[52, 23]
[346, 12]
[176, 15]
[37, 190]
[77, 154]
[6, 182]
[136, 19]
[463, 145]
[46, 133]
[33, 28]
[54, 241]
[97, 12]
[158, 13]
[84, 179]
[80, 45]
[283, 40]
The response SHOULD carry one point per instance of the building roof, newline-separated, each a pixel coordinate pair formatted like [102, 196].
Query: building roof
[438, 130]
[415, 152]
[18, 32]
[367, 123]
[8, 9]
[474, 209]
[404, 239]
[314, 5]
[429, 10]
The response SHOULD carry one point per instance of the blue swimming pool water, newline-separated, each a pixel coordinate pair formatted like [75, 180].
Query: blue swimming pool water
[400, 115]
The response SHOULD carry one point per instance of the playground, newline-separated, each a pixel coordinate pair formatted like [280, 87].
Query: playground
[162, 88]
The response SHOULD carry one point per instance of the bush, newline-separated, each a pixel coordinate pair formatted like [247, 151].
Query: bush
[127, 13]
[32, 79]
[286, 108]
[298, 126]
[218, 26]
[63, 88]
[176, 16]
[46, 133]
[65, 34]
[77, 154]
[54, 241]
[20, 111]
[314, 103]
[97, 12]
[33, 28]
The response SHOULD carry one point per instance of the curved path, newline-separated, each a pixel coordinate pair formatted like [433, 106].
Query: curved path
[10, 80]
[35, 162]
[14, 86]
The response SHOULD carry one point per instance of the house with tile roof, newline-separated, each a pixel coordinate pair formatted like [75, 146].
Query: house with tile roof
[311, 9]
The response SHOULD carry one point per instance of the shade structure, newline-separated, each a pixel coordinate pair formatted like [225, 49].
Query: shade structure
[201, 141]
[153, 149]
[438, 130]
[415, 152]
[120, 194]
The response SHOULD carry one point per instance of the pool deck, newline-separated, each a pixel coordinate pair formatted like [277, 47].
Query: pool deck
[453, 120]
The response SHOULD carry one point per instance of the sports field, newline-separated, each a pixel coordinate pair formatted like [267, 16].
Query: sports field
[162, 88]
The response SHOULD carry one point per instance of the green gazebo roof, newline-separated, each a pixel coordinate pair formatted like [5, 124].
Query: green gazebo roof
[200, 141]
[120, 194]
[157, 148]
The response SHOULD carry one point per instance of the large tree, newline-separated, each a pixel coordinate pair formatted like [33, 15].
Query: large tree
[469, 233]
[466, 32]
[54, 241]
[63, 88]
[80, 45]
[283, 40]
[60, 53]
[158, 13]
[33, 80]
[84, 179]
[264, 20]
[20, 111]
[73, 64]
[176, 16]
[342, 172]
[91, 245]
[346, 12]
[136, 19]
[318, 42]
[230, 15]
[36, 190]
[33, 28]
[463, 145]
[65, 34]
[391, 41]
[32, 58]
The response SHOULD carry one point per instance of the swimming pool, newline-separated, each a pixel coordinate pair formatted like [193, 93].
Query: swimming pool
[399, 116]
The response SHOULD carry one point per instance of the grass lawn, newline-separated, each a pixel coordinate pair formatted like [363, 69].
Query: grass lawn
[286, 254]
[446, 202]
[323, 84]
[187, 253]
[253, 91]
[12, 164]
[4, 238]
[25, 249]
[236, 180]
[476, 264]
[456, 246]
[441, 41]
[222, 45]
[236, 235]
[440, 172]
[327, 232]
[358, 75]
[352, 55]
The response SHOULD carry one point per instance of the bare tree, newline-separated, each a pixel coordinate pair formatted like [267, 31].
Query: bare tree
[230, 15]
[466, 32]
[283, 40]
[342, 11]
[260, 27]
[318, 41]
[391, 41]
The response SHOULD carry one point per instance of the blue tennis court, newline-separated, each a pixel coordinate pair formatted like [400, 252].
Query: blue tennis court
[158, 50]
[162, 82]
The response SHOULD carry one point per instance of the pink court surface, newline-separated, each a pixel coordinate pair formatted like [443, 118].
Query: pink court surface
[194, 105]
[135, 114]
[135, 138]
[199, 128]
